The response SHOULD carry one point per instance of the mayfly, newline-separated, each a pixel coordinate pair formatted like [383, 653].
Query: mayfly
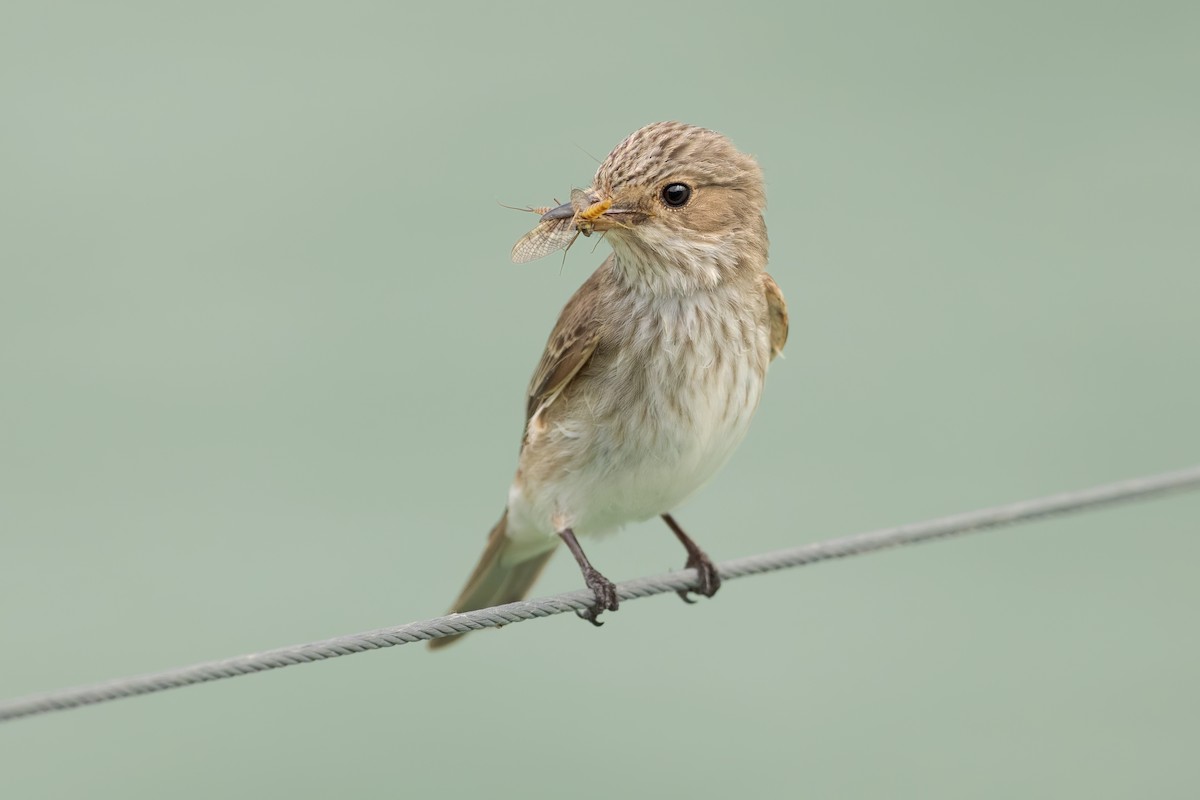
[546, 237]
[587, 211]
[561, 230]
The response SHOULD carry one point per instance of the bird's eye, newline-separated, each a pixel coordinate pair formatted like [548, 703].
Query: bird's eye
[676, 194]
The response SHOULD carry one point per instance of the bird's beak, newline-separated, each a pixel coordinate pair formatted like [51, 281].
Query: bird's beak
[565, 211]
[590, 212]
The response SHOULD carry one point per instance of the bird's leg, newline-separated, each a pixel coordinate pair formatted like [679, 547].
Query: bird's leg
[698, 560]
[604, 589]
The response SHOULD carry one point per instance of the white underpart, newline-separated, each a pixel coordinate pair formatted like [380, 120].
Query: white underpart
[698, 261]
[702, 386]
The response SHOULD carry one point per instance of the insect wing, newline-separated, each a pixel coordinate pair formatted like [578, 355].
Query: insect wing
[580, 200]
[546, 238]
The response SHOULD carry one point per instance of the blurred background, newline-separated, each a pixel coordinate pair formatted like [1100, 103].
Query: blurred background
[263, 361]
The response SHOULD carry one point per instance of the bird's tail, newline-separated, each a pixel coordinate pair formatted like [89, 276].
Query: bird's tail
[503, 575]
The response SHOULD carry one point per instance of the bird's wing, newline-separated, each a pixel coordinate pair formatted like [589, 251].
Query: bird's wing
[777, 313]
[571, 344]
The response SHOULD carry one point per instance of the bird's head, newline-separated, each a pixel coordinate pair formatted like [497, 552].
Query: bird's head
[680, 205]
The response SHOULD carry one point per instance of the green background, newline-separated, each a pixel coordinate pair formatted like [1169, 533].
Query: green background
[263, 360]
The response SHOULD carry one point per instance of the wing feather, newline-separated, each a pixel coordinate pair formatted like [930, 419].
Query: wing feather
[571, 344]
[777, 311]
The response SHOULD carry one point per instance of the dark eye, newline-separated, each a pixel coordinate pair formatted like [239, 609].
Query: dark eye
[676, 194]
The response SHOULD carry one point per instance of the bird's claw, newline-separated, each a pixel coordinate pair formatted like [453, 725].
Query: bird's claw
[605, 592]
[709, 580]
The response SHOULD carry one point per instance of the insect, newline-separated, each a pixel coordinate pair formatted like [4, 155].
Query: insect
[546, 237]
[550, 235]
[586, 212]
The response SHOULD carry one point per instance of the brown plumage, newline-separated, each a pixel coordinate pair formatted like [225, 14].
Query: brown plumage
[650, 378]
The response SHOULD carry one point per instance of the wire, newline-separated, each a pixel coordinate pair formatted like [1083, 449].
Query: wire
[631, 590]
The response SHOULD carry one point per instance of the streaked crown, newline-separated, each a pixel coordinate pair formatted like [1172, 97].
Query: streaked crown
[684, 208]
[664, 151]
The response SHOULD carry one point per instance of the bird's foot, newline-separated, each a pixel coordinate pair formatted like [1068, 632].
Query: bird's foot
[606, 596]
[709, 578]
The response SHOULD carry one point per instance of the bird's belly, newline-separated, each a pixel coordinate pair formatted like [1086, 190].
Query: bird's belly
[648, 455]
[656, 475]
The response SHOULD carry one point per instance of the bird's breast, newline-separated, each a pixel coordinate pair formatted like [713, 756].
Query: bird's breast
[696, 369]
[656, 412]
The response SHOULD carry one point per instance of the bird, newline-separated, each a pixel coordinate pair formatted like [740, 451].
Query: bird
[651, 376]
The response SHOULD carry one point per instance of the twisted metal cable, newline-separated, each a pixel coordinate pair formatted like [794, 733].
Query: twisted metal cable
[630, 590]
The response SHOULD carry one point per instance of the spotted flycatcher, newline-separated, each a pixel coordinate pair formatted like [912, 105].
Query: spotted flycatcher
[655, 367]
